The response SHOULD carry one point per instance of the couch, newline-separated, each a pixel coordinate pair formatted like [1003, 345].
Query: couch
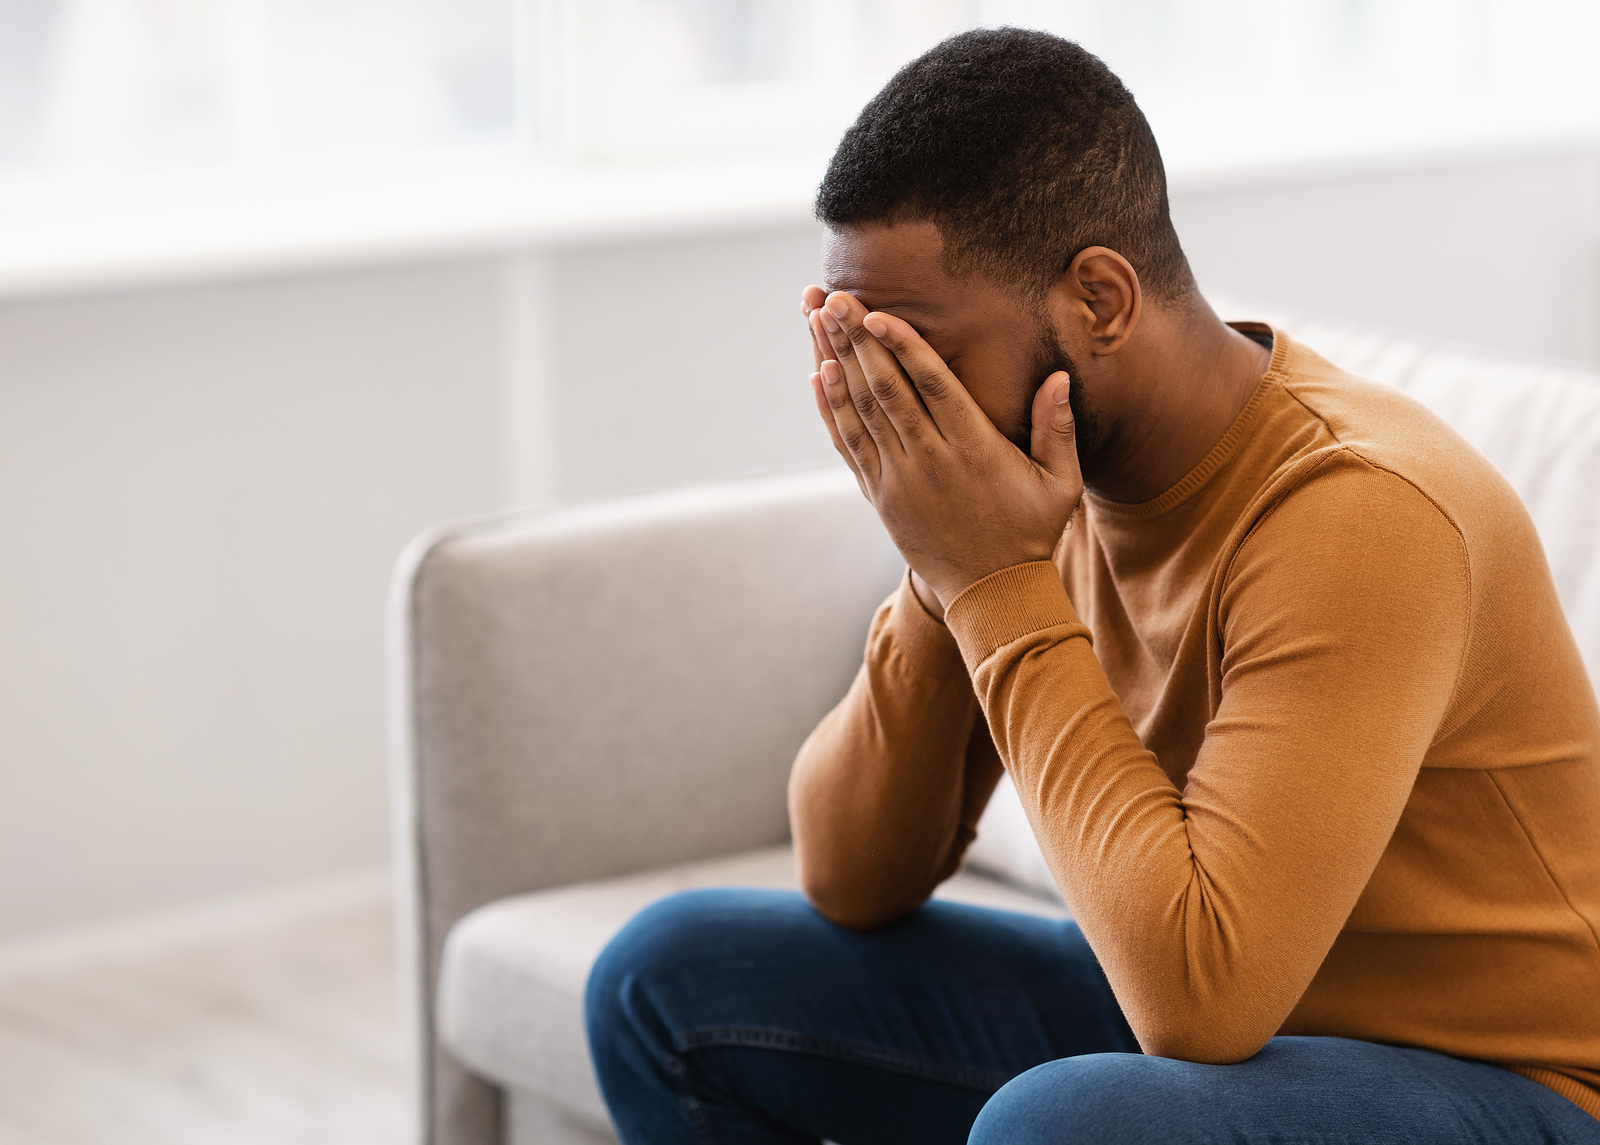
[593, 707]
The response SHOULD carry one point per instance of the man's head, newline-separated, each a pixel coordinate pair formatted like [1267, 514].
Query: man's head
[1023, 149]
[968, 187]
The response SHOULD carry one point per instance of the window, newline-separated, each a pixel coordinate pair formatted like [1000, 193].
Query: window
[151, 140]
[116, 86]
[96, 86]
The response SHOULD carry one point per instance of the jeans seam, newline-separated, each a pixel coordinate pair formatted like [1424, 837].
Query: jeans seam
[691, 1104]
[759, 1037]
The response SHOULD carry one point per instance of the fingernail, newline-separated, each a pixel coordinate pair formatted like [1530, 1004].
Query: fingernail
[1063, 390]
[834, 376]
[830, 321]
[837, 306]
[875, 325]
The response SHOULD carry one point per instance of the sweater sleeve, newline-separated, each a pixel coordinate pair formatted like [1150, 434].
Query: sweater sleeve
[886, 793]
[1343, 620]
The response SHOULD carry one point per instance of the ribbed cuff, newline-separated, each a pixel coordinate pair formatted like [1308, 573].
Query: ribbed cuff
[922, 643]
[1007, 606]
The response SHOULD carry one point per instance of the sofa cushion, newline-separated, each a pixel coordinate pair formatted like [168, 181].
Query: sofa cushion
[510, 1003]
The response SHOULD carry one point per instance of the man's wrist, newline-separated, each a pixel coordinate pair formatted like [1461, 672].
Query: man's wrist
[1007, 606]
[925, 597]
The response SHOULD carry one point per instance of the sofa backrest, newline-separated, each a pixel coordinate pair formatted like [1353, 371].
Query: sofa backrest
[1538, 423]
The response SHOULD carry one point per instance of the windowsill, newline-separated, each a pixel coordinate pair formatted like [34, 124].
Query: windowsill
[170, 231]
[157, 231]
[1216, 139]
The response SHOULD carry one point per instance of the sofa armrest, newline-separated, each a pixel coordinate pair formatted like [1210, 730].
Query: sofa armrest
[608, 689]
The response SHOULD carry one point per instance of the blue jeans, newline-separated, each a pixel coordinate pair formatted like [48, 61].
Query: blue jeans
[743, 1016]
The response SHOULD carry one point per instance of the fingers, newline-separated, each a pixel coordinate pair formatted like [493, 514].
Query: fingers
[859, 441]
[861, 447]
[819, 395]
[1054, 441]
[851, 435]
[887, 405]
[811, 298]
[948, 403]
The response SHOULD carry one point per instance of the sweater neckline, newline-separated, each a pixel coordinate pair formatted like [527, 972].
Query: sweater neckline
[1220, 454]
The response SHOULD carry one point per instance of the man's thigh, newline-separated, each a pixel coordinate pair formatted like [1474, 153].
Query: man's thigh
[758, 1006]
[1296, 1091]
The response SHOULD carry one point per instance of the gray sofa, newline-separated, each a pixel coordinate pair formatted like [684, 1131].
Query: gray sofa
[596, 706]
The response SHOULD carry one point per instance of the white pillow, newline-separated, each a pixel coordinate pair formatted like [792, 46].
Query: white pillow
[1005, 847]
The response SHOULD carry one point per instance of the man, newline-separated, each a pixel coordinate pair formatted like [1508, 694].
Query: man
[1273, 658]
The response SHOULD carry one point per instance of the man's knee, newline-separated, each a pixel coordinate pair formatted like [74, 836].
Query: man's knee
[1107, 1099]
[656, 942]
[669, 950]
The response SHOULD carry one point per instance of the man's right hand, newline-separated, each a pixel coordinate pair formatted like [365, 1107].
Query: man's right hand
[811, 298]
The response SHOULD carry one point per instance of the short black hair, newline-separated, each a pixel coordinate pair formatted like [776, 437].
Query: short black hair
[1024, 149]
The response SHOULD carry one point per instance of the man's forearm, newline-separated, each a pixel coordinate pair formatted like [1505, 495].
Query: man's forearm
[880, 793]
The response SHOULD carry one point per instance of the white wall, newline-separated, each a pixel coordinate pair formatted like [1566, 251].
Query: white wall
[202, 492]
[658, 363]
[202, 489]
[1497, 251]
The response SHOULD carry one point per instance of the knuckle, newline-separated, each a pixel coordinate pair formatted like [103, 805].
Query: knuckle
[866, 404]
[884, 387]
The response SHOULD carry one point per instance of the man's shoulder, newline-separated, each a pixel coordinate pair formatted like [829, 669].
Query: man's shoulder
[1339, 505]
[1381, 446]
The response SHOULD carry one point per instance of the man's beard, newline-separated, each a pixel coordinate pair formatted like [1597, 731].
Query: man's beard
[1049, 358]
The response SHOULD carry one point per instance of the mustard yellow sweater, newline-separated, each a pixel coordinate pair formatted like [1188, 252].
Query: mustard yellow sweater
[1306, 742]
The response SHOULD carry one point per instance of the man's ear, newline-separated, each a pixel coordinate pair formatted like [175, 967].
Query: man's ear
[1098, 299]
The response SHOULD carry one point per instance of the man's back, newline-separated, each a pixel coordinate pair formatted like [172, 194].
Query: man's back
[1488, 888]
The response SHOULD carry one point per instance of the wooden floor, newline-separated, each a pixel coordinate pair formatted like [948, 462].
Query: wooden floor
[284, 1032]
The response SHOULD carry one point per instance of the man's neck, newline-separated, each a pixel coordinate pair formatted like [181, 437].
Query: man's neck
[1179, 389]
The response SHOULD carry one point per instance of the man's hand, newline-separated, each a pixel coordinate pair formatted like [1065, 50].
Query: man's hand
[958, 499]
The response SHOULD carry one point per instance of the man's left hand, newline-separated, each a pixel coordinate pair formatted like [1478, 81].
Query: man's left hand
[958, 499]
